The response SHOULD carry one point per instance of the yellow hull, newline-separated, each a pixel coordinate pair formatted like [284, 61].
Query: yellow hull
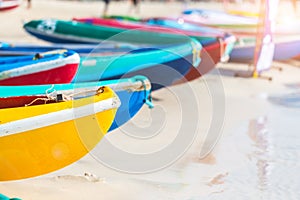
[38, 148]
[243, 13]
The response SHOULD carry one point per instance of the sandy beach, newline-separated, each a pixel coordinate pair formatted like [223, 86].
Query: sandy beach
[217, 137]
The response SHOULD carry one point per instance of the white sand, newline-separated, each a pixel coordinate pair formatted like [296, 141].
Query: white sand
[233, 170]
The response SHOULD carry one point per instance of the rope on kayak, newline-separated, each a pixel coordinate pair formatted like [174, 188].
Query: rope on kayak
[38, 99]
[87, 92]
[100, 90]
[50, 96]
[60, 97]
[48, 90]
[148, 98]
[83, 93]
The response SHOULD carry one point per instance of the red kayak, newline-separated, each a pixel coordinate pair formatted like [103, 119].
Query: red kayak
[8, 4]
[46, 68]
[145, 27]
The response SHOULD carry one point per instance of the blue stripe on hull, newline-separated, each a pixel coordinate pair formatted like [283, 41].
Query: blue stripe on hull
[163, 75]
[131, 103]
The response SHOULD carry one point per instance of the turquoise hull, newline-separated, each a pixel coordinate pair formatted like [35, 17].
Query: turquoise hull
[60, 31]
[117, 62]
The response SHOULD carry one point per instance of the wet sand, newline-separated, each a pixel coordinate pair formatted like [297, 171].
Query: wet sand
[255, 122]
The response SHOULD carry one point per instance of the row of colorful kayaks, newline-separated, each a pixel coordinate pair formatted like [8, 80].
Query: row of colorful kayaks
[58, 101]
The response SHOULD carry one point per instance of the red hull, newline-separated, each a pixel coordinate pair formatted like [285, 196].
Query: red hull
[63, 74]
[9, 7]
[142, 27]
[210, 56]
[19, 101]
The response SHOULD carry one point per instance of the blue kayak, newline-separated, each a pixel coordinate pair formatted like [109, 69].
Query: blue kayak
[113, 62]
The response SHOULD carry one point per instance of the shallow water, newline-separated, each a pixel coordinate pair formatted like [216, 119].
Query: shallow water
[265, 160]
[289, 99]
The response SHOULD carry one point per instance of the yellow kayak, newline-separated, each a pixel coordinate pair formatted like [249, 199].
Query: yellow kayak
[243, 13]
[46, 134]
